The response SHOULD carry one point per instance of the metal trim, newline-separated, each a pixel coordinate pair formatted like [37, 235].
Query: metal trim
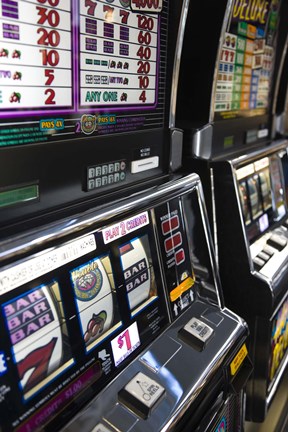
[279, 76]
[208, 235]
[43, 236]
[203, 379]
[176, 66]
[277, 380]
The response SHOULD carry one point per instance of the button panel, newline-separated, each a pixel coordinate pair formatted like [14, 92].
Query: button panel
[105, 174]
[175, 254]
[179, 257]
[141, 394]
[170, 225]
[196, 333]
[268, 250]
[277, 242]
[264, 256]
[173, 242]
[258, 263]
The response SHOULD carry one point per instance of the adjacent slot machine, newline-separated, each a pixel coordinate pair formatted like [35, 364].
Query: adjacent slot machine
[226, 87]
[225, 96]
[115, 321]
[111, 309]
[84, 103]
[255, 221]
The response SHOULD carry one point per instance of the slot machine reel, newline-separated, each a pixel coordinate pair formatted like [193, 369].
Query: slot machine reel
[93, 293]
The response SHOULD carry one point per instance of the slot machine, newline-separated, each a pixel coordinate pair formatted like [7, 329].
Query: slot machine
[230, 85]
[256, 221]
[280, 101]
[106, 322]
[226, 87]
[114, 320]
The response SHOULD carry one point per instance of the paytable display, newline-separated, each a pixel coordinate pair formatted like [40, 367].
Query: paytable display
[246, 60]
[80, 68]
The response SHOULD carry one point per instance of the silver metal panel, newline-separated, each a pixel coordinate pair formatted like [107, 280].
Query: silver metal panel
[183, 375]
[26, 242]
[279, 75]
[176, 66]
[202, 142]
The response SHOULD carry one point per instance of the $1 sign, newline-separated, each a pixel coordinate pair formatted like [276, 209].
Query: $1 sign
[124, 338]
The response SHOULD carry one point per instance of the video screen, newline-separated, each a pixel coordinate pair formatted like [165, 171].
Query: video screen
[246, 60]
[279, 340]
[261, 193]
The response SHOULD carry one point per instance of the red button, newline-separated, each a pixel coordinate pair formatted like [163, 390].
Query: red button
[170, 225]
[172, 242]
[180, 256]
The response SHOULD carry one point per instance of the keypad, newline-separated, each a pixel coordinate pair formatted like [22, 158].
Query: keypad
[106, 174]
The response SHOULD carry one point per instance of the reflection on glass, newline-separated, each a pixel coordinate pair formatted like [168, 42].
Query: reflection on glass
[138, 272]
[244, 201]
[94, 287]
[264, 179]
[38, 334]
[277, 185]
[284, 160]
[254, 196]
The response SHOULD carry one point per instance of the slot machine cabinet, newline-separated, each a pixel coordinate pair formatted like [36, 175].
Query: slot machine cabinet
[115, 320]
[227, 81]
[224, 106]
[85, 94]
[256, 224]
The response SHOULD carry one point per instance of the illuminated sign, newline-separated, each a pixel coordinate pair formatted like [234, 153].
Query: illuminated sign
[122, 228]
[26, 271]
[125, 343]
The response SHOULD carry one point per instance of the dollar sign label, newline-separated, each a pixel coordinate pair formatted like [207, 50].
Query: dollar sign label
[120, 341]
[126, 337]
[3, 366]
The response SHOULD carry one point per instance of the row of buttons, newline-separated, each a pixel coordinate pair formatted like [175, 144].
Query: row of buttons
[101, 170]
[274, 242]
[170, 224]
[106, 174]
[106, 180]
[175, 240]
[114, 172]
[143, 393]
